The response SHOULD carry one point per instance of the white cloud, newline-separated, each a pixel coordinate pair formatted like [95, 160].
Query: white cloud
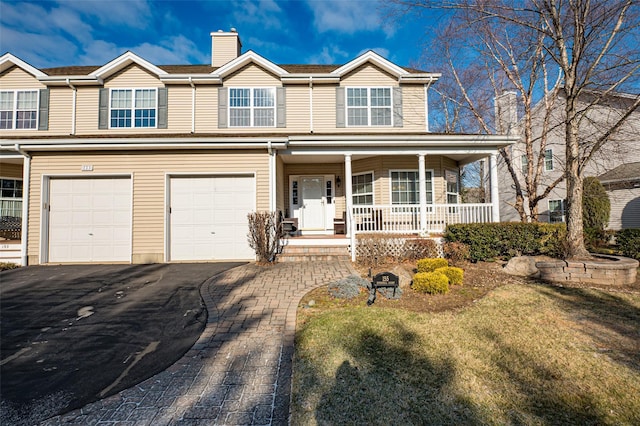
[127, 13]
[347, 16]
[265, 13]
[329, 55]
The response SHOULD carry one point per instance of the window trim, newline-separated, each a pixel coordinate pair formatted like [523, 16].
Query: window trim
[427, 171]
[546, 169]
[252, 107]
[369, 107]
[14, 109]
[133, 107]
[563, 209]
[373, 188]
[12, 199]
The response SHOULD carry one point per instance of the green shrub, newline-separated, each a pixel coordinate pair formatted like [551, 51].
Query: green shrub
[488, 241]
[431, 282]
[629, 242]
[455, 275]
[455, 252]
[431, 264]
[596, 209]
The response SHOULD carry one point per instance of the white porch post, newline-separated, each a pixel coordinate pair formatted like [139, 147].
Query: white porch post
[495, 199]
[422, 188]
[348, 195]
[272, 179]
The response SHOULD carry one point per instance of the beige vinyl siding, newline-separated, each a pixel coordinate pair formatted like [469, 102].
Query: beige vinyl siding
[298, 113]
[206, 109]
[149, 170]
[16, 78]
[60, 111]
[224, 49]
[369, 75]
[132, 76]
[413, 111]
[252, 76]
[180, 109]
[324, 109]
[87, 111]
[10, 170]
[625, 212]
[280, 186]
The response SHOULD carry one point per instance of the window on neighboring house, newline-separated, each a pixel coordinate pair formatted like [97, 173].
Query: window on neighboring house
[405, 187]
[452, 186]
[362, 189]
[548, 160]
[18, 109]
[524, 161]
[556, 211]
[252, 107]
[133, 108]
[10, 197]
[369, 106]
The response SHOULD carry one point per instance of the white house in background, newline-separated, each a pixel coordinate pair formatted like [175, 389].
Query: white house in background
[618, 154]
[136, 162]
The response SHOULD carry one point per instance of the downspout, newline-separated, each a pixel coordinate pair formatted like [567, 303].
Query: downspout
[426, 104]
[193, 105]
[310, 104]
[73, 110]
[26, 173]
[272, 183]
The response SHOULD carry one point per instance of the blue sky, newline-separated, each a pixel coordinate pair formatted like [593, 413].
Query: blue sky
[92, 32]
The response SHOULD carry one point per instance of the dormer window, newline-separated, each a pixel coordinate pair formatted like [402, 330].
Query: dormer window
[369, 106]
[19, 109]
[252, 107]
[133, 108]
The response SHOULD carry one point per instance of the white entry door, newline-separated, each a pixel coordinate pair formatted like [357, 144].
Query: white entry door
[89, 220]
[208, 217]
[313, 211]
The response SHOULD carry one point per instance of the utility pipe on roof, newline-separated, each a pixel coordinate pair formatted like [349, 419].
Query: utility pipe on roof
[73, 108]
[26, 173]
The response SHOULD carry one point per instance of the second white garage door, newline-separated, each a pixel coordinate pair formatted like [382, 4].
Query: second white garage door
[208, 217]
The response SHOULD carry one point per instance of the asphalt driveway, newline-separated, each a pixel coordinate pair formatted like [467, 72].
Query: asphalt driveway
[75, 334]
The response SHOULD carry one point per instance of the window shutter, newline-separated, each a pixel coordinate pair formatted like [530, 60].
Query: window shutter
[222, 107]
[281, 107]
[397, 107]
[43, 116]
[163, 101]
[103, 109]
[340, 117]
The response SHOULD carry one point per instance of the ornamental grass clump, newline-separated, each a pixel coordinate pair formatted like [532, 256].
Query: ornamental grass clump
[431, 282]
[455, 275]
[347, 288]
[431, 264]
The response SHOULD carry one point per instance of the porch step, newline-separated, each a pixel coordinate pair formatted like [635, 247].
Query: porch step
[311, 253]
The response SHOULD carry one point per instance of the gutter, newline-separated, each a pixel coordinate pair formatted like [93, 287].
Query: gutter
[74, 107]
[26, 173]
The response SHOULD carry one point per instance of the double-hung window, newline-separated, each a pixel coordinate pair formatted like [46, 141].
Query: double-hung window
[556, 211]
[548, 160]
[10, 197]
[369, 106]
[405, 187]
[252, 107]
[362, 189]
[19, 109]
[524, 161]
[133, 108]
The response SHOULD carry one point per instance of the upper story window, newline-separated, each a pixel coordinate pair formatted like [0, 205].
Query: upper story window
[19, 109]
[369, 106]
[548, 160]
[133, 108]
[252, 107]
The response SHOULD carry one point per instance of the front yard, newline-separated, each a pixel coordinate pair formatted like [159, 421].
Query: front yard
[497, 350]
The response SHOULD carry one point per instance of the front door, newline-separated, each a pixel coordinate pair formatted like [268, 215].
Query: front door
[312, 210]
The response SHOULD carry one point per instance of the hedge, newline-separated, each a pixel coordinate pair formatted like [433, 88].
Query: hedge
[629, 242]
[488, 241]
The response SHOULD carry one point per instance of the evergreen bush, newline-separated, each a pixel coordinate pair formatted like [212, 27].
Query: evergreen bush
[455, 275]
[596, 209]
[431, 282]
[629, 242]
[431, 264]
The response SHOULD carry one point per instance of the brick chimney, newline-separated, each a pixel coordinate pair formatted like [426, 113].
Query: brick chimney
[225, 47]
[506, 113]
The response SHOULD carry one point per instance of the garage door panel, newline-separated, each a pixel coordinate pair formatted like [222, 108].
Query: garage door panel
[90, 219]
[209, 217]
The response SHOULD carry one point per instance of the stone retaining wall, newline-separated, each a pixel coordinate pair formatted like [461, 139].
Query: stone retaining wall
[604, 269]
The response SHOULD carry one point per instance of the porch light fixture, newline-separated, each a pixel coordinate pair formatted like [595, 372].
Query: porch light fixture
[338, 181]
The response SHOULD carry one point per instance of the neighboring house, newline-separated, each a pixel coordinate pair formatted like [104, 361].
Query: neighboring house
[623, 187]
[621, 150]
[136, 162]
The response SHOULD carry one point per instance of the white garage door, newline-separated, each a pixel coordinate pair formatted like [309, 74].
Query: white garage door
[208, 217]
[90, 220]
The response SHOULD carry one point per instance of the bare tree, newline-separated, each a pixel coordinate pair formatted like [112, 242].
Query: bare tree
[590, 46]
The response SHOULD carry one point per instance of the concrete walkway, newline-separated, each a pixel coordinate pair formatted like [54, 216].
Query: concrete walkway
[239, 371]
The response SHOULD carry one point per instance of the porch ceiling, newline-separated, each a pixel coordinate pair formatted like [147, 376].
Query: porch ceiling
[315, 158]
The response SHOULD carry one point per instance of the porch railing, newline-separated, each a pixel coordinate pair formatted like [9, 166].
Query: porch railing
[405, 218]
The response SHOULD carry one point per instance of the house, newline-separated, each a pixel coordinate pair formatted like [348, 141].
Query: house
[137, 162]
[613, 159]
[623, 187]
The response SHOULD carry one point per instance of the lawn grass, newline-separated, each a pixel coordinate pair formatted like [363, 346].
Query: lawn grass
[524, 354]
